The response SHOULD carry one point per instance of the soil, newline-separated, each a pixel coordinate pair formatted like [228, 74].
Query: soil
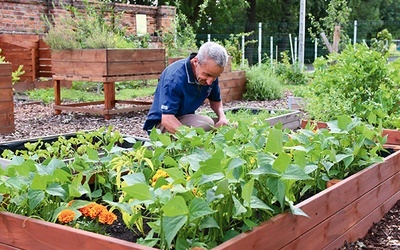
[35, 119]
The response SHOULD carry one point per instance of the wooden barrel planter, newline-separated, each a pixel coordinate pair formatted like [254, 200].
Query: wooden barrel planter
[7, 124]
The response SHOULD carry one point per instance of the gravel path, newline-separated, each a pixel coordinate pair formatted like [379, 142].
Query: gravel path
[34, 119]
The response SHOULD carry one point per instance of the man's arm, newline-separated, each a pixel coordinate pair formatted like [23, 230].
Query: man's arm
[171, 123]
[219, 111]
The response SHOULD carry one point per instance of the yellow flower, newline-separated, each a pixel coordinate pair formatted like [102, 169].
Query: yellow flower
[158, 174]
[66, 216]
[165, 187]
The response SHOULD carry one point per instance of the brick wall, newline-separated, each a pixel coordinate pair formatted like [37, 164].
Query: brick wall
[24, 16]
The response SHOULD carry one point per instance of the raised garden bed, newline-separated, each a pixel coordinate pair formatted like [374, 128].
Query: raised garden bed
[7, 124]
[106, 66]
[338, 214]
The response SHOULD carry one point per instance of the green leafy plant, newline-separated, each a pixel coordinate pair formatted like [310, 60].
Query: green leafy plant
[291, 74]
[262, 84]
[88, 28]
[195, 188]
[355, 82]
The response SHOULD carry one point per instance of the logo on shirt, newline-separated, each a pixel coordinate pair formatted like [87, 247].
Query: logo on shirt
[164, 107]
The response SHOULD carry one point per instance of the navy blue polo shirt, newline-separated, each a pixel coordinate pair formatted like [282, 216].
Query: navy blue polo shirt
[178, 93]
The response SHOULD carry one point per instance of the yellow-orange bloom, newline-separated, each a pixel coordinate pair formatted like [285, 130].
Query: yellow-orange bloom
[66, 216]
[92, 210]
[158, 174]
[165, 187]
[107, 217]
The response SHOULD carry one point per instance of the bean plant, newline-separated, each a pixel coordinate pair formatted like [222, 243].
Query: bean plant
[196, 188]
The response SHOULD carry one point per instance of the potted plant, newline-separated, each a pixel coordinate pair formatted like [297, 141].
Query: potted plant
[87, 47]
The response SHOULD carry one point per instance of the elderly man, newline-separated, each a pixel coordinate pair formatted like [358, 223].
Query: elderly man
[183, 88]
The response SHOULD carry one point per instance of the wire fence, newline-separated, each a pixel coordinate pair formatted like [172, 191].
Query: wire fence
[277, 37]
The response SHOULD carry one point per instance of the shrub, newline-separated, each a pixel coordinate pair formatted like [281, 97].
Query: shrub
[355, 82]
[87, 29]
[262, 84]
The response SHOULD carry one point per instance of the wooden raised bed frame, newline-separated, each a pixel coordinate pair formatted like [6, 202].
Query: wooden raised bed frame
[107, 66]
[7, 123]
[343, 212]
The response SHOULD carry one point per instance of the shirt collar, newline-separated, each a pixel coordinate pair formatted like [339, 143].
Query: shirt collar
[189, 70]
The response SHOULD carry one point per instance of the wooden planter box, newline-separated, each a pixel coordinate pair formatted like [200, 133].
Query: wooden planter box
[343, 212]
[107, 66]
[7, 124]
[338, 214]
[290, 119]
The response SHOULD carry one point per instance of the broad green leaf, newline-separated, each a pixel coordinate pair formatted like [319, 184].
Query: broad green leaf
[92, 154]
[174, 173]
[274, 142]
[169, 161]
[211, 178]
[211, 166]
[35, 197]
[222, 187]
[235, 163]
[282, 162]
[172, 225]
[294, 172]
[39, 182]
[239, 209]
[257, 203]
[140, 191]
[134, 178]
[56, 189]
[296, 210]
[199, 208]
[175, 207]
[277, 187]
[208, 222]
[265, 170]
[247, 191]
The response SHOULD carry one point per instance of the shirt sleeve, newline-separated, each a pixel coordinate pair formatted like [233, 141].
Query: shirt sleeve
[171, 97]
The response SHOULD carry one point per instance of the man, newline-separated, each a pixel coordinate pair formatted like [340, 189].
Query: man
[183, 88]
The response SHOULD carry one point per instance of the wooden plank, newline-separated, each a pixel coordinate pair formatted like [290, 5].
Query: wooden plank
[136, 55]
[393, 136]
[135, 68]
[6, 95]
[81, 68]
[333, 227]
[84, 55]
[27, 233]
[351, 234]
[319, 207]
[6, 107]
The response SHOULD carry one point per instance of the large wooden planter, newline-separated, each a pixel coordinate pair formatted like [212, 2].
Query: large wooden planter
[343, 212]
[107, 66]
[7, 124]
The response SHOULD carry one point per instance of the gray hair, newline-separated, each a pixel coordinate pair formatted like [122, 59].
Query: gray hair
[213, 51]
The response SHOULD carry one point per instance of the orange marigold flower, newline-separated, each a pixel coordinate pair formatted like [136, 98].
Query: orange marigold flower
[158, 174]
[96, 209]
[86, 209]
[70, 203]
[66, 216]
[107, 217]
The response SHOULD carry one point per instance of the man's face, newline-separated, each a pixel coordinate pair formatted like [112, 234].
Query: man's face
[207, 72]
